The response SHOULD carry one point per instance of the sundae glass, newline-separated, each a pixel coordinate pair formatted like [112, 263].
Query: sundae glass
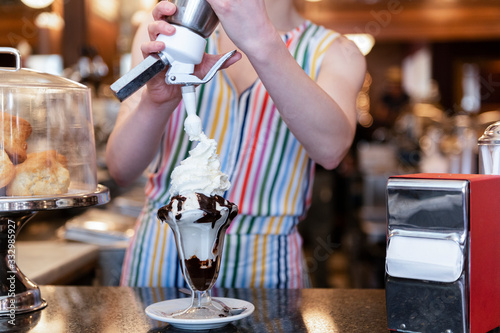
[199, 215]
[199, 235]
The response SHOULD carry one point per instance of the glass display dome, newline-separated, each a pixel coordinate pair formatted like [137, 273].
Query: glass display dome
[47, 145]
[47, 162]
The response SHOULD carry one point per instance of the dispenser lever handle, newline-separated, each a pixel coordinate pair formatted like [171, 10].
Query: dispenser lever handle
[138, 76]
[188, 79]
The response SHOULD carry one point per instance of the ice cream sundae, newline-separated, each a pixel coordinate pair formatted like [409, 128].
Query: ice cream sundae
[199, 217]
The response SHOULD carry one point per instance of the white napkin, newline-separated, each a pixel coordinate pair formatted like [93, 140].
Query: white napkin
[439, 260]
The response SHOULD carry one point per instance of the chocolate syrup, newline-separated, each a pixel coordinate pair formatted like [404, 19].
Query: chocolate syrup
[208, 204]
[163, 211]
[202, 272]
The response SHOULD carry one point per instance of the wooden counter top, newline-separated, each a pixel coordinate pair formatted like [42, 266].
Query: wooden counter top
[55, 262]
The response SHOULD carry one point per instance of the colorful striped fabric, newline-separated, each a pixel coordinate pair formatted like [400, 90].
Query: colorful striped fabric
[271, 178]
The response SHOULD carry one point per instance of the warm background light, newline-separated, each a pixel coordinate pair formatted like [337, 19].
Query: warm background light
[49, 20]
[37, 3]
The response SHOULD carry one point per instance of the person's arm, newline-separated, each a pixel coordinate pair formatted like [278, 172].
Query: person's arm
[142, 119]
[322, 114]
[141, 122]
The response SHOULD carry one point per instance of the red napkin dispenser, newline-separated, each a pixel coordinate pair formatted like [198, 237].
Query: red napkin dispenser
[443, 253]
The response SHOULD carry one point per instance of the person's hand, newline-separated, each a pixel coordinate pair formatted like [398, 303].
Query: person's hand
[245, 22]
[160, 92]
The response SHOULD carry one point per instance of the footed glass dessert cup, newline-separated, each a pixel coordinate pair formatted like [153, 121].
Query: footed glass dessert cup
[199, 236]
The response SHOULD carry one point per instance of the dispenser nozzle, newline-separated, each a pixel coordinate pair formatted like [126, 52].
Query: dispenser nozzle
[192, 124]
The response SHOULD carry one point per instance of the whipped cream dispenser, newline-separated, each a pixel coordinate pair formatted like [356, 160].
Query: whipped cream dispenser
[443, 253]
[194, 21]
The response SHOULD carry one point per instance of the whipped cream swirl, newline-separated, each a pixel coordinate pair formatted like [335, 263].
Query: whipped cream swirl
[200, 172]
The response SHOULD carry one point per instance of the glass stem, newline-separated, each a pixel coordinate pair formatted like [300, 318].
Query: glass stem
[197, 298]
[200, 299]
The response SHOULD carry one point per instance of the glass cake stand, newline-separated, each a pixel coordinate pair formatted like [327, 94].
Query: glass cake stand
[19, 294]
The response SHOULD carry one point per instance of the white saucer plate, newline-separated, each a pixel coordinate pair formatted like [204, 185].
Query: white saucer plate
[162, 311]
